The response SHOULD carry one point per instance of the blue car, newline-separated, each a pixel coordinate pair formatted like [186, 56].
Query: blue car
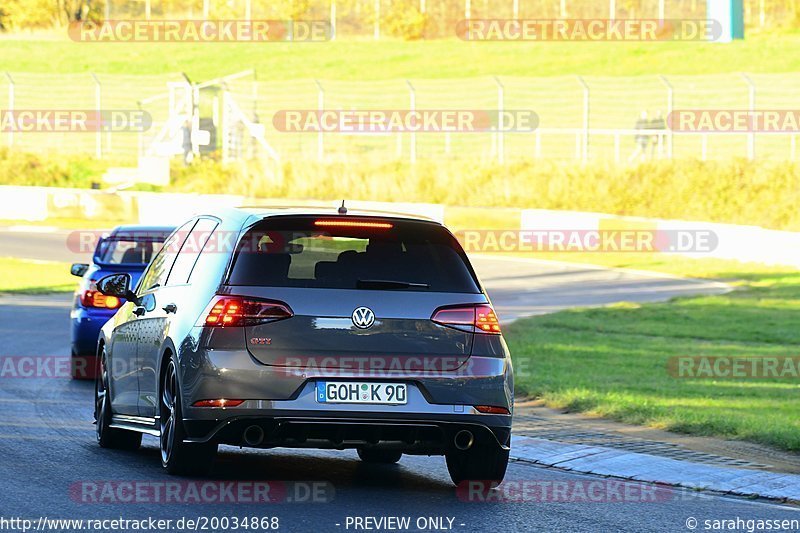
[126, 249]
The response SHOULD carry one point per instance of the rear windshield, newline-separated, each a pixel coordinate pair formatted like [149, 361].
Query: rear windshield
[376, 254]
[135, 249]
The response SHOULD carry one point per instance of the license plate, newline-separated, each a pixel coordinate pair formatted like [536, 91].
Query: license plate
[359, 392]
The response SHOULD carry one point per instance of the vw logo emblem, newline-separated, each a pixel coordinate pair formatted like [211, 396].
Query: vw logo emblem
[363, 317]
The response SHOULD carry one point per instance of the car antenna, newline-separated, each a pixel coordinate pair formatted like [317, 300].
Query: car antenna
[342, 209]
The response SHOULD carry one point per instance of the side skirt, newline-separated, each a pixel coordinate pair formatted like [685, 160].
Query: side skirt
[136, 423]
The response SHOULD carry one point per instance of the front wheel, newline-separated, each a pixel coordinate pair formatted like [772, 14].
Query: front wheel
[179, 457]
[108, 437]
[477, 464]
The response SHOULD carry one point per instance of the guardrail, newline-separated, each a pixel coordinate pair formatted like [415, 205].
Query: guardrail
[741, 243]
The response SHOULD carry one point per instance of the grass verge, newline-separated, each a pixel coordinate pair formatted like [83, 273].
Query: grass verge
[612, 361]
[446, 58]
[26, 276]
[759, 193]
[739, 192]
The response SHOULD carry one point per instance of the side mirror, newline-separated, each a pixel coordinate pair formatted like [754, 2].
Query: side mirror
[118, 285]
[78, 269]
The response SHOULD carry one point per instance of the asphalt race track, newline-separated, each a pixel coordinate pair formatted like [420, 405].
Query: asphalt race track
[50, 464]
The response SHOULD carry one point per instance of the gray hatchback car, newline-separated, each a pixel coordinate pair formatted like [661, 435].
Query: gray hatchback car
[307, 328]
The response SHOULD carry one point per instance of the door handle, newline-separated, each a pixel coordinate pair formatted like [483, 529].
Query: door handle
[139, 310]
[170, 308]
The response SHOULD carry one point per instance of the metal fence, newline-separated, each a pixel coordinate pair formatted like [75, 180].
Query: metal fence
[439, 17]
[584, 119]
[82, 92]
[580, 118]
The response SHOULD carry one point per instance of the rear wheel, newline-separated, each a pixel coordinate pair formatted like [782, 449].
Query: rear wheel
[108, 437]
[379, 456]
[179, 457]
[477, 464]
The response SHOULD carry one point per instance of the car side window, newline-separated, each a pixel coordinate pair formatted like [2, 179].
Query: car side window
[159, 268]
[190, 251]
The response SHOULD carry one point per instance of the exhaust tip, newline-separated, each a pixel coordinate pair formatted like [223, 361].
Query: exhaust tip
[253, 435]
[464, 440]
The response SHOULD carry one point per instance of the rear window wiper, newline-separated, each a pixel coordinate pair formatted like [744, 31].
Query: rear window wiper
[389, 284]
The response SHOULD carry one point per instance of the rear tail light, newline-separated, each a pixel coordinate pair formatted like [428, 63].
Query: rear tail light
[474, 318]
[486, 319]
[233, 311]
[218, 403]
[492, 410]
[91, 297]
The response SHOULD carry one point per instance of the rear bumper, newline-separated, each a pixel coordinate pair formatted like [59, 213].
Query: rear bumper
[235, 374]
[85, 325]
[282, 402]
[422, 434]
[418, 426]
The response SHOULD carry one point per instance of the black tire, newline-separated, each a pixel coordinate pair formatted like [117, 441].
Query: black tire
[108, 437]
[379, 456]
[179, 457]
[477, 464]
